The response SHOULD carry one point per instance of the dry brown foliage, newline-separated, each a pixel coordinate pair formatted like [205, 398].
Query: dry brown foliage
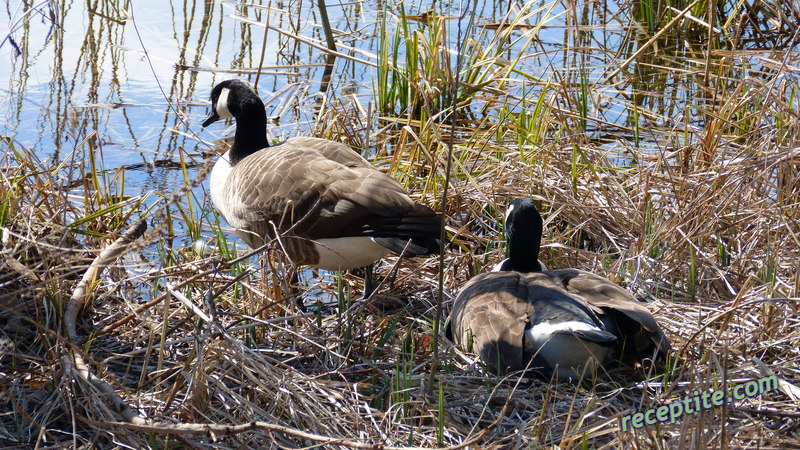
[209, 351]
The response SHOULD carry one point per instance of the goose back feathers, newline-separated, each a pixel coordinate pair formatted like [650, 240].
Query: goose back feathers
[328, 206]
[553, 322]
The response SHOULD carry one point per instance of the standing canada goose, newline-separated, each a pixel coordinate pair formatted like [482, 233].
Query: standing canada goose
[327, 206]
[551, 321]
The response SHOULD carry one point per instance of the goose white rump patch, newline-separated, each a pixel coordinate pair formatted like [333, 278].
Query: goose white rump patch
[348, 252]
[565, 350]
[542, 331]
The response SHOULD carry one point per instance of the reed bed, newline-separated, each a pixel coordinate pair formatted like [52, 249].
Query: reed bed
[197, 343]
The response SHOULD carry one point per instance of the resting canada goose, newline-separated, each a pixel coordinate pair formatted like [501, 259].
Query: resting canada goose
[326, 204]
[550, 321]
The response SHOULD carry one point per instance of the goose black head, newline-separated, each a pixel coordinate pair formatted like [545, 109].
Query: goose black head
[523, 236]
[237, 99]
[233, 99]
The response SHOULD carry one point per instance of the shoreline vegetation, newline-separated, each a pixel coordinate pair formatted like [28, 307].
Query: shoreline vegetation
[664, 155]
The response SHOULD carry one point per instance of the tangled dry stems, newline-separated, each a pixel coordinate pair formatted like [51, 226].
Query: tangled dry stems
[252, 377]
[704, 231]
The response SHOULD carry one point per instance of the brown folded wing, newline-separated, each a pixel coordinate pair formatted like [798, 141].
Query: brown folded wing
[632, 319]
[307, 189]
[494, 309]
[491, 313]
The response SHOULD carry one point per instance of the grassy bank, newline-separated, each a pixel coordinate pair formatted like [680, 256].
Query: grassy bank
[668, 163]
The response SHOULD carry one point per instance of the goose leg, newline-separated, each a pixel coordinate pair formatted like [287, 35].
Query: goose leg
[369, 283]
[294, 291]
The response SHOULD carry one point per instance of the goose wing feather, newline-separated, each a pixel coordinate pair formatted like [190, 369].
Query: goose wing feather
[609, 298]
[334, 151]
[492, 312]
[495, 309]
[318, 191]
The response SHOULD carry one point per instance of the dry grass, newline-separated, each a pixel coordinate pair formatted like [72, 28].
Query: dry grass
[208, 352]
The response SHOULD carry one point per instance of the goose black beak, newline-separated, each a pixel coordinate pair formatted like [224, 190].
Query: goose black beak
[213, 117]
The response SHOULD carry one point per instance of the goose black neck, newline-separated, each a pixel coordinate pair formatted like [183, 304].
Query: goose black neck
[251, 131]
[524, 234]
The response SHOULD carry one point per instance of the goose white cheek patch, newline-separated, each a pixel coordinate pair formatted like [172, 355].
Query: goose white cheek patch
[222, 104]
[508, 211]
